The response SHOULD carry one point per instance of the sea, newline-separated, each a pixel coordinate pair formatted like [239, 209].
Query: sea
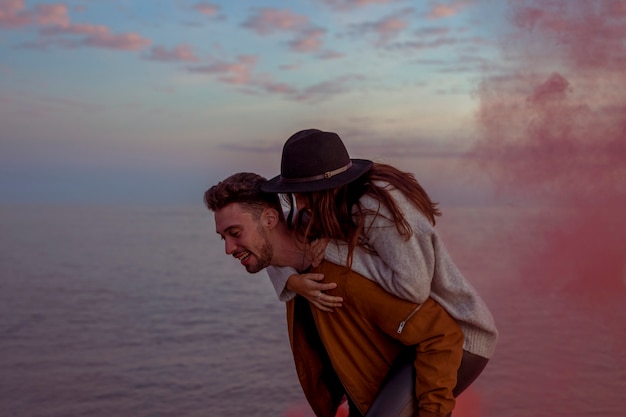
[135, 311]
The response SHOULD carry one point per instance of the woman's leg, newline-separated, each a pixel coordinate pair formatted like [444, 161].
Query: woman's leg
[471, 366]
[397, 398]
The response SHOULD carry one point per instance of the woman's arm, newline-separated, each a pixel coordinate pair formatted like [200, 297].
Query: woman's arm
[402, 267]
[287, 283]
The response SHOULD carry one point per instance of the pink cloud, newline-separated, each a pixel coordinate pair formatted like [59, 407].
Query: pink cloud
[75, 29]
[390, 27]
[181, 52]
[13, 13]
[54, 20]
[124, 42]
[237, 72]
[279, 88]
[352, 4]
[290, 67]
[240, 72]
[97, 36]
[441, 10]
[51, 14]
[385, 28]
[206, 8]
[309, 41]
[267, 21]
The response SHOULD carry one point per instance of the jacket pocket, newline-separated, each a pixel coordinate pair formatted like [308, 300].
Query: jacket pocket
[407, 318]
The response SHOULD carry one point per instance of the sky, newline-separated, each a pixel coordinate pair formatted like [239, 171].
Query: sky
[154, 101]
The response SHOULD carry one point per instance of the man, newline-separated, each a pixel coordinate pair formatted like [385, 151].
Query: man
[351, 351]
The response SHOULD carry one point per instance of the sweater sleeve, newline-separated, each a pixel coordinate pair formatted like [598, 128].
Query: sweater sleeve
[278, 277]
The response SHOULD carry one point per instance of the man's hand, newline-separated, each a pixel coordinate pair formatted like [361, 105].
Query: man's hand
[308, 286]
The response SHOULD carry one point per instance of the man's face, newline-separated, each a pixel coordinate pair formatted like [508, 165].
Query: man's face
[244, 237]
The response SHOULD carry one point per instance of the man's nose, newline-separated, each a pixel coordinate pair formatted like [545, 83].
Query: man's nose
[229, 246]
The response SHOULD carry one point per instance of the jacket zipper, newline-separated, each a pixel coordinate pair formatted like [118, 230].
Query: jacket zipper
[411, 314]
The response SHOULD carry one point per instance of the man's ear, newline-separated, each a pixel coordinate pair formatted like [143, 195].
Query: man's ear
[269, 218]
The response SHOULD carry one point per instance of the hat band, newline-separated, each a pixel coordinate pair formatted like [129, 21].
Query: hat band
[325, 175]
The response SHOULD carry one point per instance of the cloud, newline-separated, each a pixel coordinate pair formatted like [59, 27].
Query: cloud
[437, 42]
[327, 55]
[279, 88]
[13, 13]
[98, 36]
[240, 72]
[236, 72]
[386, 28]
[124, 41]
[267, 21]
[75, 29]
[308, 41]
[205, 8]
[390, 26]
[442, 10]
[344, 5]
[180, 53]
[54, 21]
[325, 89]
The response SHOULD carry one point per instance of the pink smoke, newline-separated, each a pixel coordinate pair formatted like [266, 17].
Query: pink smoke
[554, 136]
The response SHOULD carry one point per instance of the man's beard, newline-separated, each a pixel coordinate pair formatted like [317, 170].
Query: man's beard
[265, 255]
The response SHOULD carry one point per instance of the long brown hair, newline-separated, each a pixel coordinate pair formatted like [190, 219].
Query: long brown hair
[337, 214]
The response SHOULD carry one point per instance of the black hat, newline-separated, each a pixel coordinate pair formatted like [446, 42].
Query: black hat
[314, 160]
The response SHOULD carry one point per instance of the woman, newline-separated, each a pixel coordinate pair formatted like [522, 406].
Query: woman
[387, 221]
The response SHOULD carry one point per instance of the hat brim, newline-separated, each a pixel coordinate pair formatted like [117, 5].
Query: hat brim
[358, 168]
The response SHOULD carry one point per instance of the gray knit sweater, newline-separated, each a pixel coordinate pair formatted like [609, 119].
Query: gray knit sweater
[413, 269]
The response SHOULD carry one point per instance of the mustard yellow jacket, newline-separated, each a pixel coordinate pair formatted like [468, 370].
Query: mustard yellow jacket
[352, 349]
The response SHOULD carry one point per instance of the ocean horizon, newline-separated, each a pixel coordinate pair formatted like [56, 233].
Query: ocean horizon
[136, 311]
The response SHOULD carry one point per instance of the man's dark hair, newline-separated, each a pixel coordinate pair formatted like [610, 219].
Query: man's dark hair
[243, 188]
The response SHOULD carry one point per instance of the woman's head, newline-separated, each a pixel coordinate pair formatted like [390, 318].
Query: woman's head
[323, 214]
[314, 160]
[327, 185]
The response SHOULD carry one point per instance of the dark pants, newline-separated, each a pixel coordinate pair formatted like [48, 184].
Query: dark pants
[397, 395]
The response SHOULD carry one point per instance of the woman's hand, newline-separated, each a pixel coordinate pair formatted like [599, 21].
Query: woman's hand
[308, 286]
[315, 252]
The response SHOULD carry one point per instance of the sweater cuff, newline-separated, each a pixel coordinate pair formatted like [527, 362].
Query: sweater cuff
[279, 277]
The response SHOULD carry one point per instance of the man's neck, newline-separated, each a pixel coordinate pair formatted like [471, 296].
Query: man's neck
[288, 251]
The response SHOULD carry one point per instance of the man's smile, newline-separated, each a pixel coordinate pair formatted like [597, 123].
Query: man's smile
[242, 256]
